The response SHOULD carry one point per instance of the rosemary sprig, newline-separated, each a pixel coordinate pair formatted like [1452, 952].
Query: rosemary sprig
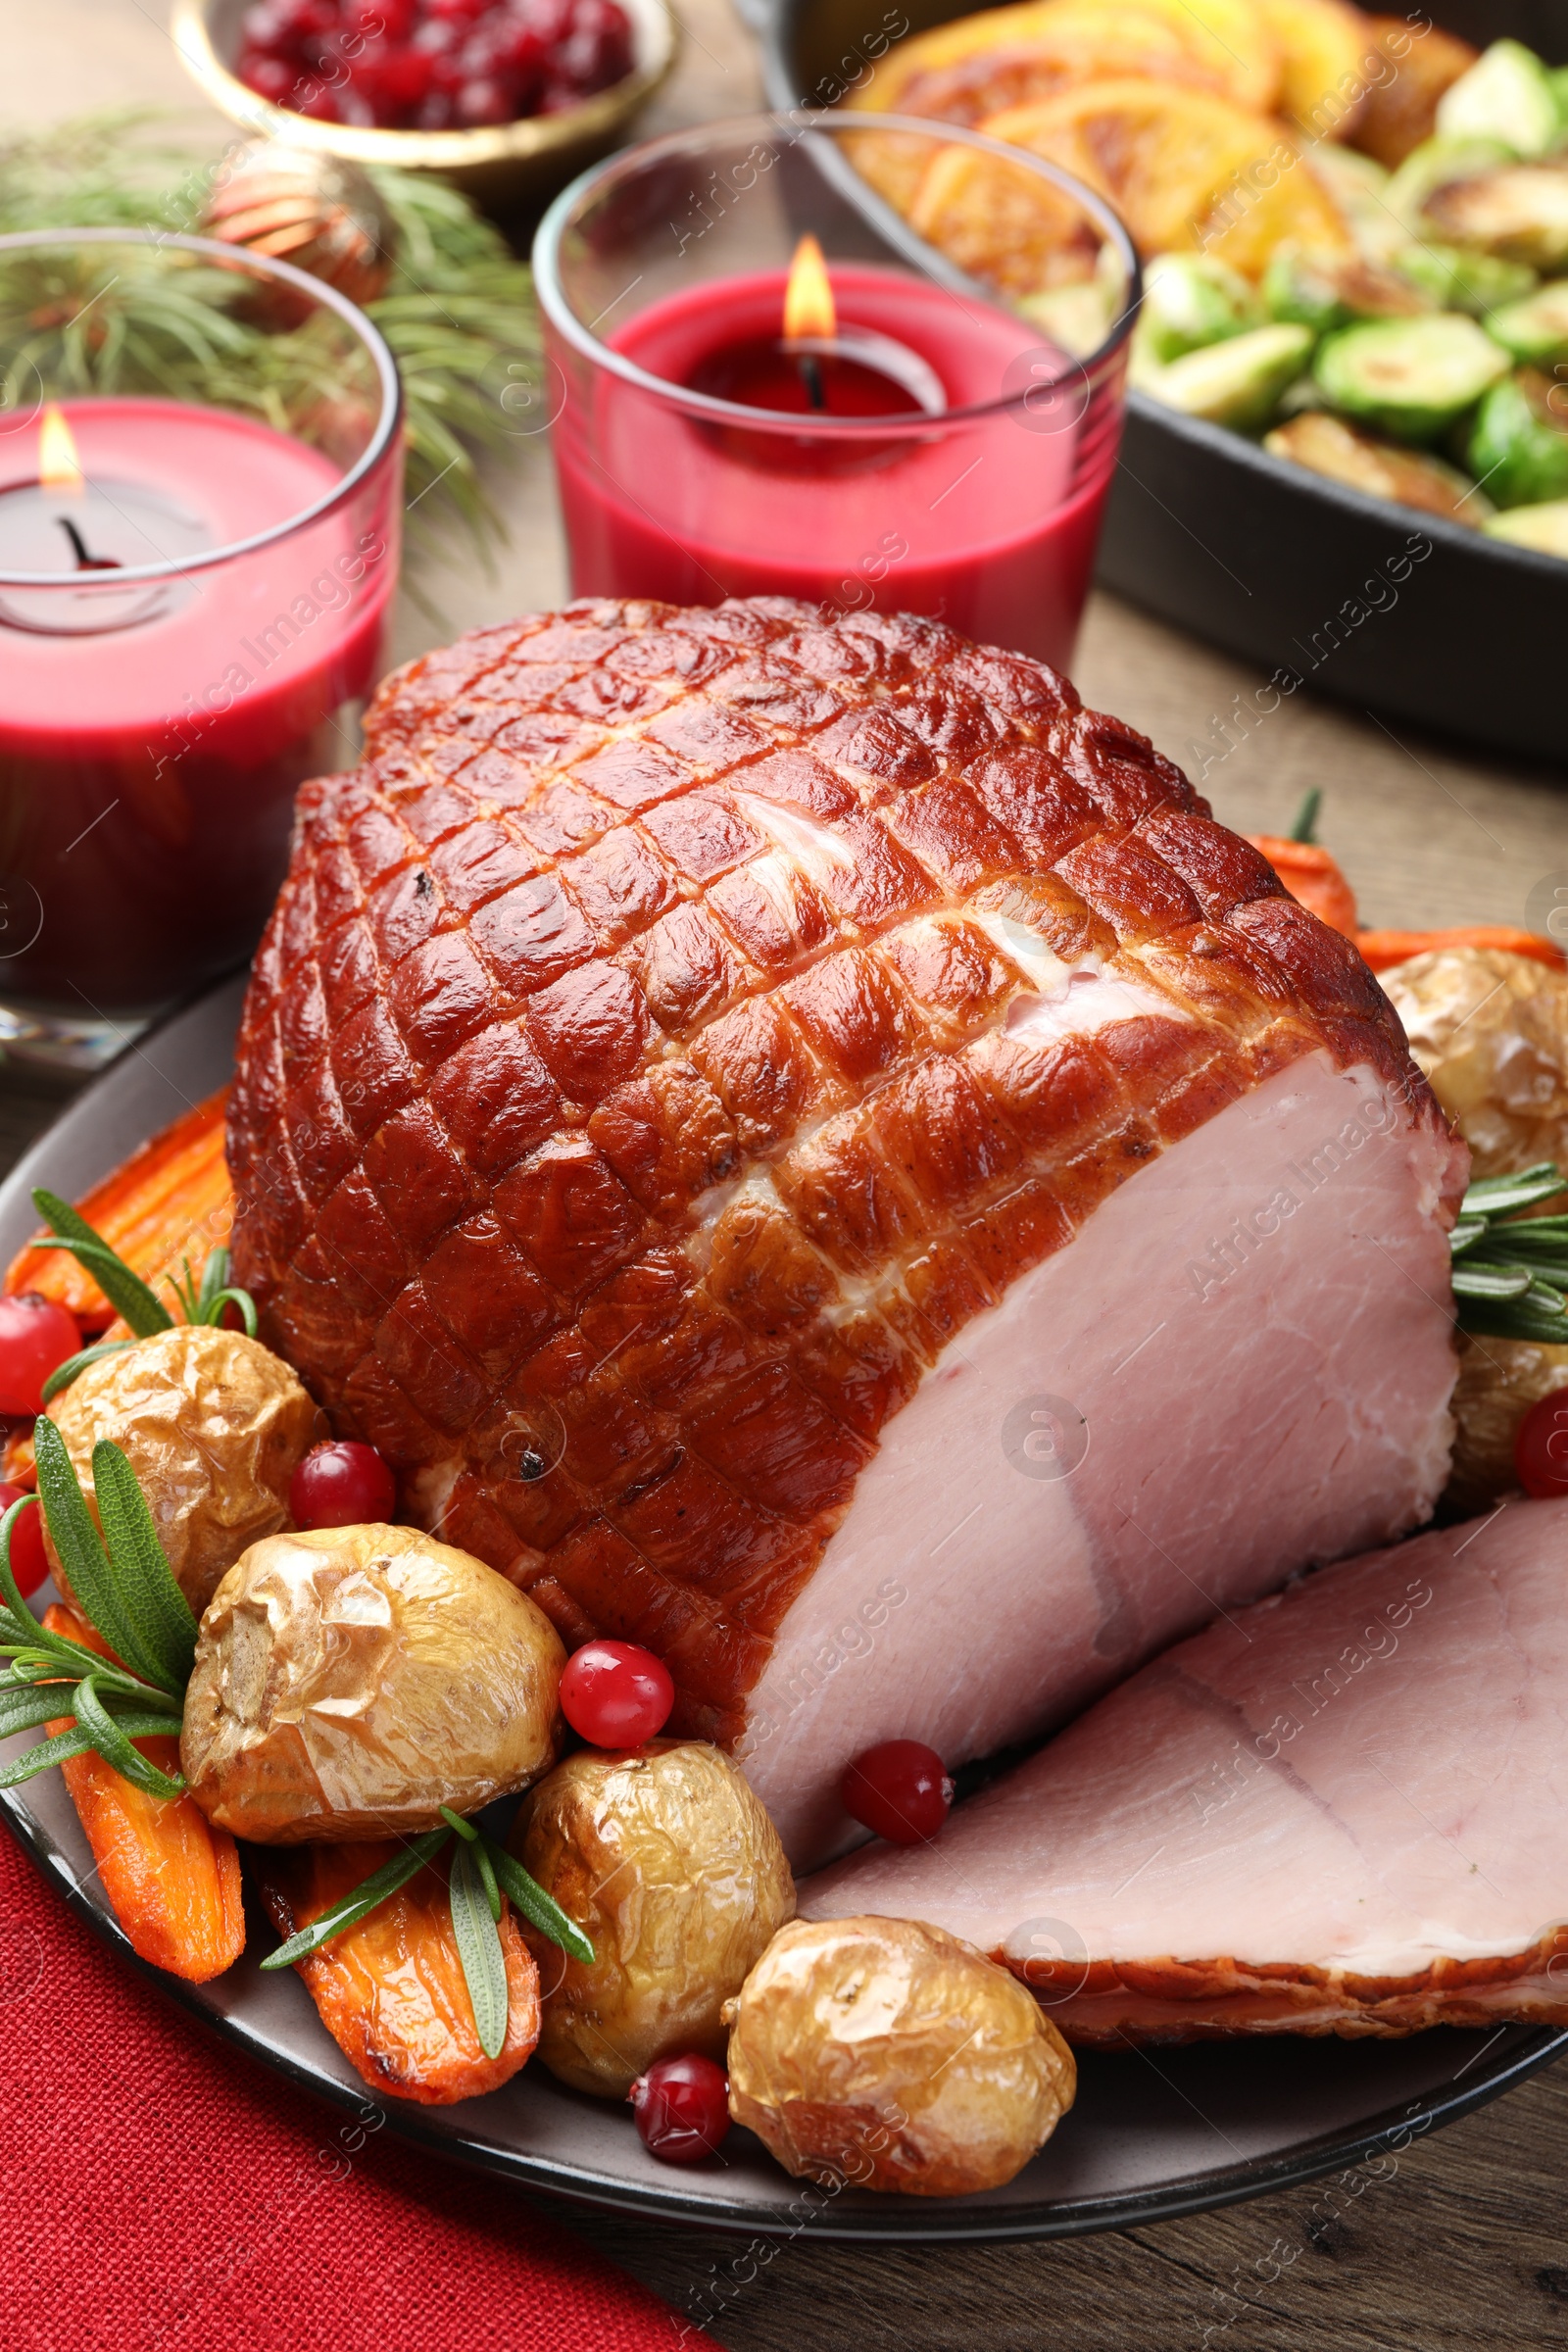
[484, 1963]
[200, 1302]
[1511, 1269]
[477, 1873]
[124, 1588]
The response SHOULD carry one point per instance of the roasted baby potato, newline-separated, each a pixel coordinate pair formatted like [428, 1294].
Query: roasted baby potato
[351, 1681]
[895, 2056]
[1500, 1380]
[1491, 1032]
[673, 1871]
[212, 1424]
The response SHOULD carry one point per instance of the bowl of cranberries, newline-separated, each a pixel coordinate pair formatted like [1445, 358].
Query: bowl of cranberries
[506, 98]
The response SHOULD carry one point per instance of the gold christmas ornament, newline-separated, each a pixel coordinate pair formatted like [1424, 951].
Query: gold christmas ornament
[293, 204]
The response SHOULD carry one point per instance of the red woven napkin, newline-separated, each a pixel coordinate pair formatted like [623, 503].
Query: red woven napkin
[162, 2193]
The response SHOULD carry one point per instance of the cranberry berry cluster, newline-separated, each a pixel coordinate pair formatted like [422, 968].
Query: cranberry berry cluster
[432, 65]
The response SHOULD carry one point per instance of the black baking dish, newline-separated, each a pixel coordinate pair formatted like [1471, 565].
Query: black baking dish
[1385, 608]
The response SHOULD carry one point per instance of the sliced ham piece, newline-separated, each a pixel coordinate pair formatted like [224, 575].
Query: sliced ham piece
[811, 1151]
[1342, 1811]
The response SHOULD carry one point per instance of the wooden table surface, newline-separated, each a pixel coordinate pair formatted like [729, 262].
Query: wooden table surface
[1460, 2241]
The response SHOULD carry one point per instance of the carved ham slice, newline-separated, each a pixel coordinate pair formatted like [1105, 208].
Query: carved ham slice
[1341, 1812]
[812, 1152]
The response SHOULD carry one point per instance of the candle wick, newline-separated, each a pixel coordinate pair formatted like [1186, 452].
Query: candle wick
[810, 368]
[84, 560]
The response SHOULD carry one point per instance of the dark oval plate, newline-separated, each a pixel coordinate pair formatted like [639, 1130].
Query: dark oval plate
[1294, 572]
[1153, 2134]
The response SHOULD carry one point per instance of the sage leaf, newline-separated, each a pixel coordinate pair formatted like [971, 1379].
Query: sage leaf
[484, 1963]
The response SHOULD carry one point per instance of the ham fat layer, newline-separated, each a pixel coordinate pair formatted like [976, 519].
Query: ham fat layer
[1342, 1811]
[713, 1079]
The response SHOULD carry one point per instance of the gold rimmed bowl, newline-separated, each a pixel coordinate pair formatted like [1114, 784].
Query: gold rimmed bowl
[506, 167]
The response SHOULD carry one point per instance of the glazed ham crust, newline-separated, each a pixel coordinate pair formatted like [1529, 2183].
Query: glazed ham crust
[627, 1112]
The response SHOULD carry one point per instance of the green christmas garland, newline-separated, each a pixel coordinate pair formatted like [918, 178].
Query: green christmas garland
[458, 312]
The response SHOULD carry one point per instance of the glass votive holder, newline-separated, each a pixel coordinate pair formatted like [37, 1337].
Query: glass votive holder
[936, 436]
[201, 466]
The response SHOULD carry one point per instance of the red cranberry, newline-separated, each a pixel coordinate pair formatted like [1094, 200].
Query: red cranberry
[271, 78]
[616, 1695]
[341, 1485]
[900, 1791]
[682, 2108]
[1540, 1446]
[485, 100]
[35, 1334]
[29, 1563]
[305, 19]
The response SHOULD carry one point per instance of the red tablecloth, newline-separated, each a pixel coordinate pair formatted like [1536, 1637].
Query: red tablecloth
[162, 2193]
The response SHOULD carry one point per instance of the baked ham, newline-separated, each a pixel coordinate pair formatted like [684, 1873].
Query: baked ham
[810, 1151]
[1342, 1812]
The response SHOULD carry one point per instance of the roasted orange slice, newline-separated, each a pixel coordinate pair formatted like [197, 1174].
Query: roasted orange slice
[1326, 54]
[1183, 168]
[1010, 57]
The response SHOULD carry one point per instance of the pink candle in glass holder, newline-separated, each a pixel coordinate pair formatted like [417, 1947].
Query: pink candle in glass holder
[192, 603]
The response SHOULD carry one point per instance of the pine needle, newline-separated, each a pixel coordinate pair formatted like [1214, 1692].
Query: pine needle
[458, 314]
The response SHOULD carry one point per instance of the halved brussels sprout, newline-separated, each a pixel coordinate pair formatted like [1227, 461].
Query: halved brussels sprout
[1191, 300]
[1323, 292]
[1535, 329]
[1457, 280]
[1508, 95]
[1519, 445]
[1519, 212]
[1237, 382]
[1343, 453]
[1544, 530]
[1409, 377]
[1437, 164]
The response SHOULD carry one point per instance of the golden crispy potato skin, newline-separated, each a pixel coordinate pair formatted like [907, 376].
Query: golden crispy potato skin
[893, 2055]
[214, 1426]
[675, 1874]
[351, 1681]
[1491, 1032]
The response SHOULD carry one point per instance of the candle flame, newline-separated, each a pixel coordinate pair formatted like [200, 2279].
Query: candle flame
[809, 298]
[59, 467]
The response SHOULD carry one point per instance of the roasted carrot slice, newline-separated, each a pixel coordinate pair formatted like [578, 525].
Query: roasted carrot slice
[170, 1201]
[172, 1879]
[1312, 876]
[391, 1990]
[1384, 949]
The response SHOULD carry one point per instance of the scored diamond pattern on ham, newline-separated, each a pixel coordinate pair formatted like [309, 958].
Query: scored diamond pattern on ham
[708, 1070]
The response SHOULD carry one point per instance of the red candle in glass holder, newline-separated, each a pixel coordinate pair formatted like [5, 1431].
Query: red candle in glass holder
[981, 503]
[152, 735]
